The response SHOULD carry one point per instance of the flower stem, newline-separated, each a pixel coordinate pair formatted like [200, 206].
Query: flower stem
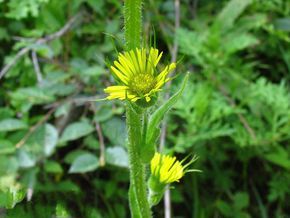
[138, 190]
[133, 23]
[138, 193]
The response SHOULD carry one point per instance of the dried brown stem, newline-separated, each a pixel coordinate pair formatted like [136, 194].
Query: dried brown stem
[102, 144]
[174, 51]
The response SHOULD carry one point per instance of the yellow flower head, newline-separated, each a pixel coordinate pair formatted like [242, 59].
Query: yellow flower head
[167, 169]
[137, 73]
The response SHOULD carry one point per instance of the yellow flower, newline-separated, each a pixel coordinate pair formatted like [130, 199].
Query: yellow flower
[137, 73]
[167, 169]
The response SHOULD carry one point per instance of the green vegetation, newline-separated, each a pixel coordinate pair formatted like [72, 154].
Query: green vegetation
[63, 154]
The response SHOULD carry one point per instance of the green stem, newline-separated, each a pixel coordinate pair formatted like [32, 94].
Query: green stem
[133, 23]
[138, 191]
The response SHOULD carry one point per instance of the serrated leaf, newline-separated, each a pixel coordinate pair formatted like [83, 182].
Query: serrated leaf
[279, 157]
[84, 163]
[11, 125]
[238, 42]
[75, 131]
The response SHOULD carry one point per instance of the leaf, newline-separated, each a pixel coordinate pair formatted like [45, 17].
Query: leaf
[75, 131]
[115, 130]
[25, 159]
[282, 24]
[103, 113]
[50, 139]
[279, 157]
[224, 208]
[234, 43]
[11, 125]
[147, 151]
[71, 156]
[9, 198]
[158, 115]
[192, 43]
[32, 95]
[53, 167]
[8, 165]
[61, 211]
[6, 147]
[241, 200]
[117, 156]
[84, 163]
[231, 12]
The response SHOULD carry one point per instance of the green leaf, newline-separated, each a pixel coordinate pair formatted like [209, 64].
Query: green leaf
[50, 139]
[53, 167]
[75, 131]
[280, 157]
[25, 159]
[8, 165]
[117, 156]
[192, 43]
[11, 125]
[156, 118]
[71, 156]
[241, 200]
[224, 208]
[84, 163]
[61, 211]
[6, 147]
[9, 198]
[115, 130]
[238, 42]
[32, 95]
[282, 24]
[231, 12]
[153, 131]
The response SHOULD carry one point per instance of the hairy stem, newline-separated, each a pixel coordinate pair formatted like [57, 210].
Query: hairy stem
[138, 194]
[133, 23]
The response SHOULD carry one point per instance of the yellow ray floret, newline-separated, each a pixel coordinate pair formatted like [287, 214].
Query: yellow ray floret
[167, 169]
[137, 73]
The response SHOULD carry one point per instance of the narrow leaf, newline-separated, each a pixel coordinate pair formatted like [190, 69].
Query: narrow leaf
[156, 118]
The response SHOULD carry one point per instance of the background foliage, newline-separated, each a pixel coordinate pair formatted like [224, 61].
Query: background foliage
[63, 155]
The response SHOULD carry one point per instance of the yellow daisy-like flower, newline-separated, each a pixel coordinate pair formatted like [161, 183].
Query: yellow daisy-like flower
[167, 169]
[136, 70]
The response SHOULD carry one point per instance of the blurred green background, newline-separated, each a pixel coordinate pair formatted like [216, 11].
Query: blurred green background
[64, 155]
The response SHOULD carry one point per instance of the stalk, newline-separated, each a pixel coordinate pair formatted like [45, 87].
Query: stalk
[133, 23]
[138, 192]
